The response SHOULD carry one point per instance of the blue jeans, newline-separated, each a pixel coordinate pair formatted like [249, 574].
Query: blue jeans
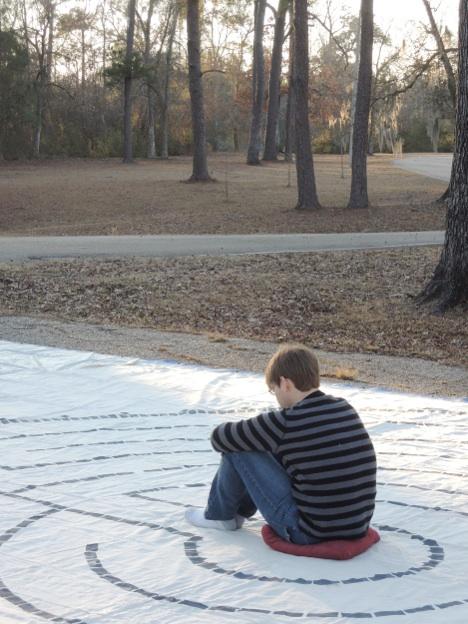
[248, 481]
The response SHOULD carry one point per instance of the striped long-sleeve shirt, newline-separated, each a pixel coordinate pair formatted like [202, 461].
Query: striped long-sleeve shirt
[324, 447]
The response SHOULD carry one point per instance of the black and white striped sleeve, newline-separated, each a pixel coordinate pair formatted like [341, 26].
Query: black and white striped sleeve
[262, 433]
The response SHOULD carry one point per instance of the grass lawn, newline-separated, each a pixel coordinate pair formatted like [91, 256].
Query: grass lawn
[79, 196]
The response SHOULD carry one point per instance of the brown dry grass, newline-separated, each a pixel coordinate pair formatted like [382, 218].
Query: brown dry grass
[357, 301]
[344, 373]
[105, 197]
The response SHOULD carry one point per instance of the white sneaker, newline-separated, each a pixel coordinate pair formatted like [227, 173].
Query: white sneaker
[197, 517]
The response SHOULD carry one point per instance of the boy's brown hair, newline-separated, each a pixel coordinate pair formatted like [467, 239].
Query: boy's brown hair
[295, 362]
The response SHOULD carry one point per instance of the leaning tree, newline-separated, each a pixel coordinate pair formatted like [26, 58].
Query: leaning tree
[449, 283]
[451, 80]
[358, 197]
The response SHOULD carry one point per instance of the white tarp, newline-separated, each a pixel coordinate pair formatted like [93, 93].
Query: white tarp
[100, 455]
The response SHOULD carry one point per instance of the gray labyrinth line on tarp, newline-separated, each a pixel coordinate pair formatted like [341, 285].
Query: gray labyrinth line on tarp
[94, 430]
[129, 416]
[190, 547]
[436, 555]
[96, 566]
[192, 542]
[13, 597]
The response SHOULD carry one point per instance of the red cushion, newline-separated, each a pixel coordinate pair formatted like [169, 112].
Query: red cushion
[332, 549]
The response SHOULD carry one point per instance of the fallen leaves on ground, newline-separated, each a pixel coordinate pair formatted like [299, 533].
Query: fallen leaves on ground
[354, 301]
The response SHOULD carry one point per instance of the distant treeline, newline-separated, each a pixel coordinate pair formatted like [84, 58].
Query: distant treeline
[62, 72]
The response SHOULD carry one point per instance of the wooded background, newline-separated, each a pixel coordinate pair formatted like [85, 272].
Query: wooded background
[65, 67]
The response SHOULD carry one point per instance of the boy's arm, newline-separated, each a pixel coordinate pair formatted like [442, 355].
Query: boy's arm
[262, 433]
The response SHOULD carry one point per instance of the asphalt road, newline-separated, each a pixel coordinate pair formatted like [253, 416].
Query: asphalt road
[436, 166]
[31, 248]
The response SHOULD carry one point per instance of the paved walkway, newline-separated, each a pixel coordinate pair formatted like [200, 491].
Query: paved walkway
[436, 166]
[30, 248]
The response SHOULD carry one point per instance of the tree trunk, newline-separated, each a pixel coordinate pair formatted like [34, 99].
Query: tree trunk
[271, 143]
[103, 122]
[358, 197]
[164, 118]
[50, 42]
[39, 114]
[24, 16]
[150, 96]
[354, 88]
[370, 147]
[151, 136]
[104, 36]
[435, 135]
[290, 108]
[83, 59]
[449, 283]
[451, 81]
[200, 165]
[40, 86]
[128, 135]
[307, 193]
[235, 139]
[164, 132]
[44, 77]
[258, 86]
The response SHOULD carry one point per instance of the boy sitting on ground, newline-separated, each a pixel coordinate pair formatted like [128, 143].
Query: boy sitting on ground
[309, 467]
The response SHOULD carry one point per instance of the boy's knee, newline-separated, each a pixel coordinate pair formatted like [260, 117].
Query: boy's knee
[234, 458]
[249, 458]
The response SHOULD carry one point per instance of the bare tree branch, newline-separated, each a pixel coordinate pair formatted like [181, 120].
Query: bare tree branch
[410, 84]
[272, 8]
[211, 71]
[54, 84]
[140, 19]
[315, 17]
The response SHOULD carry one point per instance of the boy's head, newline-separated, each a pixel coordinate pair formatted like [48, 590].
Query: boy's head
[296, 364]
